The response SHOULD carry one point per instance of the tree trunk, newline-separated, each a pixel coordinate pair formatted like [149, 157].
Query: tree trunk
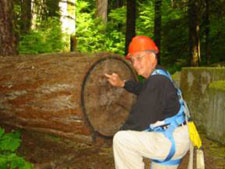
[102, 10]
[130, 25]
[119, 3]
[207, 31]
[26, 15]
[64, 94]
[53, 7]
[194, 30]
[157, 26]
[39, 12]
[8, 41]
[115, 4]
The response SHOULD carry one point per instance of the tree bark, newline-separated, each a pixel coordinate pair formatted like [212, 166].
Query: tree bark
[102, 10]
[157, 26]
[115, 4]
[64, 94]
[207, 32]
[194, 30]
[53, 7]
[130, 25]
[119, 3]
[26, 15]
[8, 40]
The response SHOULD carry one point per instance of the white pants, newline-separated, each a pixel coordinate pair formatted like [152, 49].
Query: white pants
[129, 148]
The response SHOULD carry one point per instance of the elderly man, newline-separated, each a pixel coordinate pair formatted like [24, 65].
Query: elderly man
[156, 127]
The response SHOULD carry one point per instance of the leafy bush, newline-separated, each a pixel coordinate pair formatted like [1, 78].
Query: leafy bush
[9, 143]
[46, 38]
[145, 21]
[93, 35]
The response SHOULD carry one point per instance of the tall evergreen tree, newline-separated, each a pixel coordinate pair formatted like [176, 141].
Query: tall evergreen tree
[102, 8]
[130, 24]
[207, 31]
[194, 32]
[119, 3]
[26, 15]
[8, 40]
[157, 26]
[115, 4]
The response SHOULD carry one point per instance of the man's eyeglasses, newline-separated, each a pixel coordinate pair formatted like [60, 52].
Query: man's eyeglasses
[137, 58]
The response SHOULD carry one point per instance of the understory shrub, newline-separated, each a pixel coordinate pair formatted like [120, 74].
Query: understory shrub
[9, 143]
[46, 38]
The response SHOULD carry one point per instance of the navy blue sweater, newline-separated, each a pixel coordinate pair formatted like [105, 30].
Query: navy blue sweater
[156, 100]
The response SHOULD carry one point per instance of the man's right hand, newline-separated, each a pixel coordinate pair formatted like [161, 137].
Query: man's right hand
[115, 80]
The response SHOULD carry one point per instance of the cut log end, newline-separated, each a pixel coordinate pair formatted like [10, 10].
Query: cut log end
[106, 107]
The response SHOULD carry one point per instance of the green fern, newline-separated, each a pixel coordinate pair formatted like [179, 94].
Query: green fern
[9, 143]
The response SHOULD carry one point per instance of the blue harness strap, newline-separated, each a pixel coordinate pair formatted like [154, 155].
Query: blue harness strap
[172, 122]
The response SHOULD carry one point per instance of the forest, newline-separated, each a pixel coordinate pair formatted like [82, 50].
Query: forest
[188, 32]
[46, 94]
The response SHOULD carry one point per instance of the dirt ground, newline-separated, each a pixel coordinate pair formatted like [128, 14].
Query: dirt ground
[50, 152]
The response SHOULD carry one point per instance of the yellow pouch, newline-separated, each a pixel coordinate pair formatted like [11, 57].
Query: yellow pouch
[194, 136]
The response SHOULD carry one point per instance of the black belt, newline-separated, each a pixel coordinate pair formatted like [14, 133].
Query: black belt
[166, 126]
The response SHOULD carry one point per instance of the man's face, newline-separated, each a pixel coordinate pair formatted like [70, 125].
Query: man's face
[144, 63]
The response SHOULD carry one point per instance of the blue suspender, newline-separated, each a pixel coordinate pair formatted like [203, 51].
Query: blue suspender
[173, 123]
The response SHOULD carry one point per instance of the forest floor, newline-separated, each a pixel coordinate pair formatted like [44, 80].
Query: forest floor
[49, 152]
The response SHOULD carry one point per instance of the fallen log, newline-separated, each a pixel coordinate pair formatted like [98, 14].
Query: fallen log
[64, 94]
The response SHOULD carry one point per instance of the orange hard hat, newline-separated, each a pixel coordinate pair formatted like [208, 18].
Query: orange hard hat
[141, 43]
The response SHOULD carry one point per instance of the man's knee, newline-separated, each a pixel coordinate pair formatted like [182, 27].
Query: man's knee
[119, 137]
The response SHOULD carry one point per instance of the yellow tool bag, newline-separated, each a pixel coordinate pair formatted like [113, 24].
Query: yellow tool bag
[194, 136]
[196, 143]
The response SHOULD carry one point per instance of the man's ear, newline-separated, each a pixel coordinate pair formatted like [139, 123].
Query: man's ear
[154, 58]
[151, 55]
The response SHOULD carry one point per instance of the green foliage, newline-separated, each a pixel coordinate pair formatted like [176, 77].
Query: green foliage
[93, 35]
[9, 143]
[174, 32]
[17, 14]
[52, 8]
[217, 39]
[117, 18]
[145, 21]
[46, 38]
[174, 40]
[116, 30]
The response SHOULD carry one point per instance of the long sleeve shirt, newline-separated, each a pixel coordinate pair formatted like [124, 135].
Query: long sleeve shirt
[156, 100]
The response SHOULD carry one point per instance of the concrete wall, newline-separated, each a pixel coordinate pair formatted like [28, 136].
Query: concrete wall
[206, 104]
[215, 127]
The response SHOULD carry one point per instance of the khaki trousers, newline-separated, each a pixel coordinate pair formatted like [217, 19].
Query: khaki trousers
[129, 148]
